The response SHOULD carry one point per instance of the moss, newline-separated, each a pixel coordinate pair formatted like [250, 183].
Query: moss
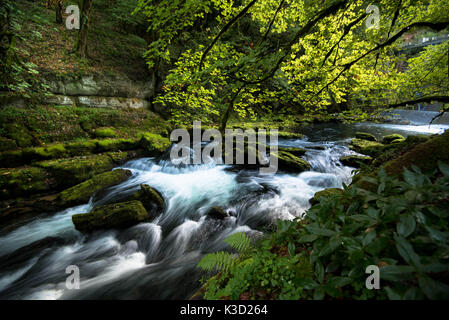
[153, 143]
[119, 215]
[81, 147]
[7, 144]
[365, 136]
[20, 135]
[299, 152]
[290, 135]
[290, 163]
[23, 182]
[116, 144]
[355, 161]
[69, 172]
[45, 153]
[324, 193]
[370, 148]
[105, 133]
[392, 138]
[81, 193]
[151, 199]
[424, 155]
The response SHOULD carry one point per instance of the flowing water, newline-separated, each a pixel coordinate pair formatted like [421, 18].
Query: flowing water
[157, 260]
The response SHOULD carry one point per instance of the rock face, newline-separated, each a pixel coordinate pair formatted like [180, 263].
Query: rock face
[324, 193]
[355, 161]
[107, 91]
[289, 162]
[392, 138]
[119, 215]
[365, 136]
[81, 193]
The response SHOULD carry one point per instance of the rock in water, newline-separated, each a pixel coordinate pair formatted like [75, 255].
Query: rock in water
[299, 152]
[365, 136]
[324, 193]
[367, 147]
[355, 161]
[119, 215]
[289, 162]
[393, 138]
[217, 213]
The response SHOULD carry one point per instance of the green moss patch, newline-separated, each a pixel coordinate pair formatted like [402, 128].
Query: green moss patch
[289, 162]
[23, 182]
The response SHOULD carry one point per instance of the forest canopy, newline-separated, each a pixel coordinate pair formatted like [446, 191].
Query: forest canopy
[222, 57]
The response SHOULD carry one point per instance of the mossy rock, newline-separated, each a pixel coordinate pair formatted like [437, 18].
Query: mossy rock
[217, 213]
[153, 143]
[23, 182]
[117, 216]
[151, 199]
[20, 135]
[370, 148]
[45, 153]
[392, 138]
[290, 135]
[7, 144]
[365, 136]
[299, 152]
[81, 193]
[424, 155]
[80, 148]
[105, 133]
[69, 172]
[11, 159]
[324, 193]
[289, 162]
[355, 161]
[116, 145]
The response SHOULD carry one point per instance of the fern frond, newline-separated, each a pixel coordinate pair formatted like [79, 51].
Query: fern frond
[239, 241]
[221, 261]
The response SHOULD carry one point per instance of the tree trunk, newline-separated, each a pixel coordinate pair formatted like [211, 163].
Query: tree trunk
[59, 12]
[81, 47]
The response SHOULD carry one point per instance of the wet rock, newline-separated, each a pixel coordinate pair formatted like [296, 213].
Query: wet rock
[355, 161]
[151, 199]
[81, 193]
[392, 138]
[370, 148]
[365, 136]
[289, 162]
[217, 213]
[119, 215]
[324, 193]
[153, 143]
[320, 148]
[290, 135]
[23, 182]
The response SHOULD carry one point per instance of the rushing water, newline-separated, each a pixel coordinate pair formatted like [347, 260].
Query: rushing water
[157, 260]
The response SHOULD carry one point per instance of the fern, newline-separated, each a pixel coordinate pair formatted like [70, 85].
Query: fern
[222, 260]
[239, 241]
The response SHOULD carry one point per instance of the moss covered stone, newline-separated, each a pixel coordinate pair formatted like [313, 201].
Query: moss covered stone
[80, 148]
[116, 145]
[105, 133]
[153, 143]
[355, 161]
[118, 215]
[151, 199]
[299, 152]
[367, 147]
[290, 135]
[81, 193]
[69, 172]
[45, 153]
[289, 162]
[19, 134]
[324, 193]
[365, 136]
[392, 138]
[11, 159]
[23, 182]
[424, 155]
[7, 144]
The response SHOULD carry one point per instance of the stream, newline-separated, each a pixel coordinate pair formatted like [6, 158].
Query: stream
[157, 260]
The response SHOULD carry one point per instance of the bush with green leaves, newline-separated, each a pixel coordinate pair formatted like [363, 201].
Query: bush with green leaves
[401, 227]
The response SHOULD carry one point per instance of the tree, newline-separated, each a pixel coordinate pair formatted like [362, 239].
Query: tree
[81, 45]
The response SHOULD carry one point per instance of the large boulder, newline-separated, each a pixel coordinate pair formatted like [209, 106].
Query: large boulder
[82, 192]
[355, 161]
[289, 162]
[155, 144]
[118, 215]
[151, 199]
[365, 136]
[370, 148]
[392, 138]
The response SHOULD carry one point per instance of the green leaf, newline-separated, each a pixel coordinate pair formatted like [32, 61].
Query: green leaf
[406, 225]
[406, 251]
[433, 289]
[392, 295]
[291, 248]
[308, 238]
[396, 273]
[320, 231]
[444, 168]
